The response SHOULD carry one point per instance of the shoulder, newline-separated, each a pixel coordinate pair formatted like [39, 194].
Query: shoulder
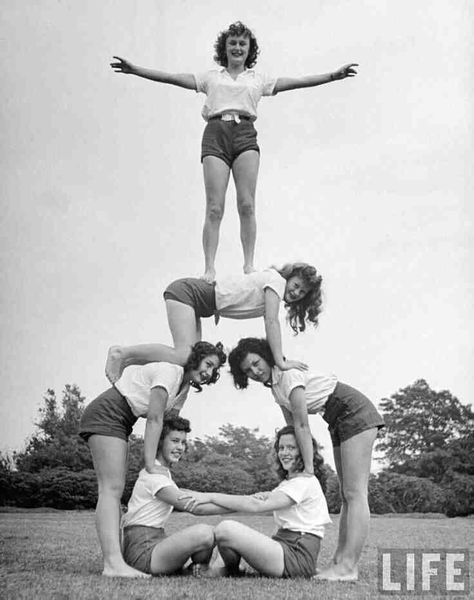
[293, 378]
[165, 369]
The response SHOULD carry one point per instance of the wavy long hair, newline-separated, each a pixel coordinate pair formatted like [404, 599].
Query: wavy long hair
[236, 29]
[318, 461]
[244, 347]
[308, 308]
[198, 352]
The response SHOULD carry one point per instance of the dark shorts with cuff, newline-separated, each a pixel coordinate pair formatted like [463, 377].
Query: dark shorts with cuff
[139, 541]
[348, 412]
[227, 139]
[194, 292]
[300, 552]
[109, 414]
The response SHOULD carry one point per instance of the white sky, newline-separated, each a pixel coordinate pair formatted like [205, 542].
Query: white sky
[368, 179]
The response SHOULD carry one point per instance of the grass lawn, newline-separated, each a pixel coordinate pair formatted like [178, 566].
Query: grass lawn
[55, 556]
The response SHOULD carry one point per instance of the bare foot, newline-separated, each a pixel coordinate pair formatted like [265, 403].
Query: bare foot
[249, 269]
[337, 573]
[124, 571]
[209, 275]
[113, 365]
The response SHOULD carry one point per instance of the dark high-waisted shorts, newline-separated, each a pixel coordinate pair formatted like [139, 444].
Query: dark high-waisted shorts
[109, 414]
[139, 542]
[348, 412]
[194, 292]
[228, 139]
[300, 552]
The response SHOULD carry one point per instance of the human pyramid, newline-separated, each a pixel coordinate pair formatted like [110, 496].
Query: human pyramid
[153, 380]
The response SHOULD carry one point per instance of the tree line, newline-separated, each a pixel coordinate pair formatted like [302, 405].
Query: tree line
[427, 450]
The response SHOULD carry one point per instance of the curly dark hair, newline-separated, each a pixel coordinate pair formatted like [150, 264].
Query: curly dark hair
[198, 352]
[175, 423]
[309, 307]
[318, 461]
[237, 355]
[236, 29]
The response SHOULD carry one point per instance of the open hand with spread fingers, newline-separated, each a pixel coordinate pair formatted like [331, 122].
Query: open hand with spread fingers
[345, 71]
[123, 66]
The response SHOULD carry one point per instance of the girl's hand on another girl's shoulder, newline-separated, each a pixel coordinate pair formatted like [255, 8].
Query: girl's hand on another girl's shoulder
[123, 66]
[345, 71]
[293, 364]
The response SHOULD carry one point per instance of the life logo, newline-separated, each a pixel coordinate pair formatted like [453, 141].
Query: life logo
[422, 571]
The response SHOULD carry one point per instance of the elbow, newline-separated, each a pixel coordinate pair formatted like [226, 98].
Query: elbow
[302, 427]
[154, 419]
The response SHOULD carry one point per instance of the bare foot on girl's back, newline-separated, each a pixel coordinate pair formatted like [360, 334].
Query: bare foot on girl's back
[209, 275]
[124, 571]
[249, 269]
[337, 573]
[113, 365]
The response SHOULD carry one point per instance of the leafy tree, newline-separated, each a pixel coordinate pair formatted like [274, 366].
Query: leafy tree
[57, 444]
[243, 448]
[421, 420]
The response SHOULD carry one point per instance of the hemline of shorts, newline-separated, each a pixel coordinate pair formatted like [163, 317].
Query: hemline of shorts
[348, 412]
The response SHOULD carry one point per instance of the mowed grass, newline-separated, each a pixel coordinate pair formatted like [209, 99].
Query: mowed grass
[56, 556]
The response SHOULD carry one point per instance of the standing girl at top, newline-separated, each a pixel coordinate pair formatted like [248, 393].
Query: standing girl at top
[229, 141]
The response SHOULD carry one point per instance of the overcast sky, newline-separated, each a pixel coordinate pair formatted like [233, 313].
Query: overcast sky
[369, 179]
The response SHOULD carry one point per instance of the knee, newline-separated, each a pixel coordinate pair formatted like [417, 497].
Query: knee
[214, 210]
[224, 531]
[112, 489]
[352, 494]
[204, 536]
[182, 355]
[246, 207]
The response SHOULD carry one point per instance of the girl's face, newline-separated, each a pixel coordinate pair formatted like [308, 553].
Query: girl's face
[172, 448]
[205, 370]
[295, 290]
[237, 50]
[256, 368]
[288, 452]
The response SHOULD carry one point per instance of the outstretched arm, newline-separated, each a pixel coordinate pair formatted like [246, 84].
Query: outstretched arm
[185, 501]
[284, 84]
[273, 333]
[250, 504]
[184, 80]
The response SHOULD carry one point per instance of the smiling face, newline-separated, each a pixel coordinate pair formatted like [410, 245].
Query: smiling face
[256, 368]
[205, 370]
[288, 452]
[295, 290]
[172, 448]
[237, 50]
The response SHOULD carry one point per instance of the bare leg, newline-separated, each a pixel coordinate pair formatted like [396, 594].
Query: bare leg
[341, 542]
[356, 454]
[186, 331]
[236, 541]
[110, 463]
[245, 172]
[170, 555]
[216, 179]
